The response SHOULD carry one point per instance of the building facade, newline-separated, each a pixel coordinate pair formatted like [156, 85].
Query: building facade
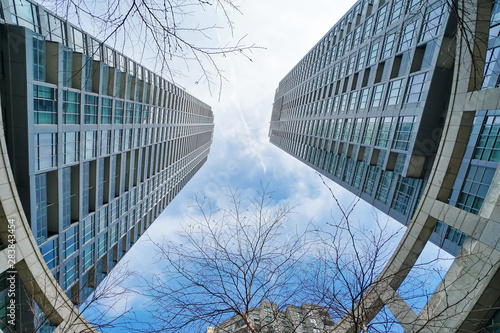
[98, 144]
[307, 318]
[365, 107]
[399, 103]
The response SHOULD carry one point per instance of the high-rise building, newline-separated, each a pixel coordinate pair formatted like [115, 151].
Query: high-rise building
[399, 104]
[307, 318]
[98, 144]
[365, 107]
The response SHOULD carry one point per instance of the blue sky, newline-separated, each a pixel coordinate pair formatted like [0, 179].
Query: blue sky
[241, 155]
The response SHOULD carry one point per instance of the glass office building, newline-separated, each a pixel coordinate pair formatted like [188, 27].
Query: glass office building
[365, 107]
[98, 144]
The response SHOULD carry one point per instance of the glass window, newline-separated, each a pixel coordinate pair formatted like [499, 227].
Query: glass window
[66, 198]
[71, 107]
[406, 189]
[396, 10]
[117, 140]
[144, 114]
[45, 150]
[106, 111]
[44, 105]
[364, 96]
[358, 175]
[38, 58]
[377, 93]
[70, 241]
[118, 112]
[118, 81]
[432, 22]
[356, 130]
[90, 113]
[492, 68]
[384, 132]
[88, 230]
[78, 40]
[380, 22]
[87, 83]
[127, 139]
[102, 245]
[394, 92]
[372, 56]
[369, 131]
[370, 179]
[41, 208]
[389, 45]
[400, 163]
[347, 130]
[90, 144]
[129, 113]
[105, 79]
[88, 257]
[356, 38]
[67, 67]
[367, 30]
[408, 35]
[100, 184]
[71, 147]
[488, 144]
[384, 186]
[26, 14]
[414, 6]
[404, 133]
[343, 103]
[85, 188]
[415, 88]
[50, 252]
[476, 185]
[352, 101]
[70, 273]
[57, 29]
[348, 170]
[492, 65]
[102, 222]
[361, 59]
[105, 147]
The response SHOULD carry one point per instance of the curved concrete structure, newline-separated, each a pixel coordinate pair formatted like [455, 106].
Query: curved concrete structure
[469, 293]
[29, 264]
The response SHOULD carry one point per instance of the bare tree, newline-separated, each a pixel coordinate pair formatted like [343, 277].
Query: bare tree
[349, 258]
[164, 32]
[226, 263]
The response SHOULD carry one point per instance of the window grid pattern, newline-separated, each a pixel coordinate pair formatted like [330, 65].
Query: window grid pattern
[384, 186]
[415, 88]
[405, 190]
[370, 179]
[41, 208]
[88, 257]
[106, 107]
[71, 107]
[70, 273]
[404, 133]
[38, 57]
[90, 114]
[44, 105]
[45, 150]
[488, 144]
[432, 22]
[384, 132]
[71, 147]
[476, 185]
[66, 198]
